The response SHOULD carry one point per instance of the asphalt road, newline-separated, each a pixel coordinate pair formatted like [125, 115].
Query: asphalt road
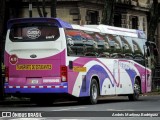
[112, 108]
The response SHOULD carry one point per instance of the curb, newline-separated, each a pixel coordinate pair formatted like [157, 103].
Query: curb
[151, 94]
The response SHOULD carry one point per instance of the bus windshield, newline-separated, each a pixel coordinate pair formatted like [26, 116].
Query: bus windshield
[28, 32]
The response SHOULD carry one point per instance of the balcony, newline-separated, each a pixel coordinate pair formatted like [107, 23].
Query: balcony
[123, 1]
[143, 3]
[133, 2]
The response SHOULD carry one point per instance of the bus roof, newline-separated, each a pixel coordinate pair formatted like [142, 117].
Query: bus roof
[57, 21]
[118, 31]
[95, 28]
[79, 27]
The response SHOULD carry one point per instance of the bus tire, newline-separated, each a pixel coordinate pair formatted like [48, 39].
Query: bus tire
[136, 93]
[94, 92]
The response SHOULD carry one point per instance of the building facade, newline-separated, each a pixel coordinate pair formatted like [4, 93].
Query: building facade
[133, 14]
[128, 13]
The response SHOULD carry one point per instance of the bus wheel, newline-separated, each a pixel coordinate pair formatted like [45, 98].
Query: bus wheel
[93, 92]
[135, 95]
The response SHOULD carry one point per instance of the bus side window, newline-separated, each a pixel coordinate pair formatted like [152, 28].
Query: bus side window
[103, 45]
[111, 44]
[139, 58]
[127, 47]
[69, 44]
[104, 55]
[75, 42]
[90, 54]
[115, 45]
[138, 46]
[90, 44]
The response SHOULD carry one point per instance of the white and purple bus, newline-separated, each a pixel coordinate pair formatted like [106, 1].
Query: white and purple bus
[46, 58]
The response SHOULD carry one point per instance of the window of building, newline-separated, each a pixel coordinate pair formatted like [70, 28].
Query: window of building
[92, 17]
[134, 22]
[117, 20]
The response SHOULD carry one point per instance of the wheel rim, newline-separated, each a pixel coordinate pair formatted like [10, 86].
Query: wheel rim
[136, 90]
[94, 92]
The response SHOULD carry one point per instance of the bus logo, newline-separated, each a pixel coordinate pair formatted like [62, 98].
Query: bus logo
[33, 33]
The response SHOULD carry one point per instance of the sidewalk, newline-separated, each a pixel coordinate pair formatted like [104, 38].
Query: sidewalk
[11, 100]
[151, 93]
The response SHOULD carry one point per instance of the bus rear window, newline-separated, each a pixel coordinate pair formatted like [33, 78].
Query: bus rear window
[28, 32]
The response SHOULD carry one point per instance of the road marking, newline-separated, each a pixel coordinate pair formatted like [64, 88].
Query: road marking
[74, 119]
[120, 110]
[27, 119]
[43, 119]
[70, 108]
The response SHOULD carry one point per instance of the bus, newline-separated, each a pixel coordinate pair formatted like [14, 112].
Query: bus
[46, 58]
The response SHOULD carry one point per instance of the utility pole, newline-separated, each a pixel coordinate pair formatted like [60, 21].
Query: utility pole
[53, 8]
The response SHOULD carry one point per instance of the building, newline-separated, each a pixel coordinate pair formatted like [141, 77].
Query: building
[128, 13]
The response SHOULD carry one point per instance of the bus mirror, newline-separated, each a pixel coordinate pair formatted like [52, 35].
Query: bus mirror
[70, 64]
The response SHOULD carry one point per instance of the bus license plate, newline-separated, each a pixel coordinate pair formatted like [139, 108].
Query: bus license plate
[34, 81]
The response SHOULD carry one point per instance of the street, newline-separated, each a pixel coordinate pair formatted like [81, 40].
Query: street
[105, 107]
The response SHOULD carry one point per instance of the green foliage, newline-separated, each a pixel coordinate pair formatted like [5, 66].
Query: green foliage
[154, 20]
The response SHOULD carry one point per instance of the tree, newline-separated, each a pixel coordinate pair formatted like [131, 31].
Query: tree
[153, 23]
[44, 8]
[108, 12]
[154, 20]
[42, 13]
[38, 9]
[2, 17]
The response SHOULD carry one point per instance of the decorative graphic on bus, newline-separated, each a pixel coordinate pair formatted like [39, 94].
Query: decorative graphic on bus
[33, 33]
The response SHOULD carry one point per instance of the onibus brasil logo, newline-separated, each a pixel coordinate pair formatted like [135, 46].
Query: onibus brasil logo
[33, 33]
